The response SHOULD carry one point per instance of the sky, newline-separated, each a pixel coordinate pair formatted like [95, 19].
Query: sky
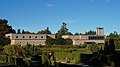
[79, 15]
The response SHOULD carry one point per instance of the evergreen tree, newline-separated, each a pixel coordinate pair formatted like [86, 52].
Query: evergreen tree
[45, 31]
[63, 31]
[18, 31]
[23, 31]
[4, 29]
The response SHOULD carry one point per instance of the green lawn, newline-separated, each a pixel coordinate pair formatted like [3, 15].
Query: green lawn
[73, 54]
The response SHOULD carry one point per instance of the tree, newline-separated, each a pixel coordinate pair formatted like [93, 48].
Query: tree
[114, 35]
[4, 29]
[93, 47]
[28, 32]
[109, 47]
[50, 41]
[45, 31]
[13, 31]
[78, 33]
[4, 41]
[63, 31]
[23, 31]
[14, 51]
[90, 32]
[117, 43]
[18, 31]
[68, 41]
[59, 41]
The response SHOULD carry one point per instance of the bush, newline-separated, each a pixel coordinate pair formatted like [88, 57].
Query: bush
[3, 58]
[28, 61]
[11, 60]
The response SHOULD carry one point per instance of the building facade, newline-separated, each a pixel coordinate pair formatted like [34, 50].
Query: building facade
[87, 39]
[33, 39]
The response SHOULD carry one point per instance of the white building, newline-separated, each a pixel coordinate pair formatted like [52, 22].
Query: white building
[23, 39]
[87, 39]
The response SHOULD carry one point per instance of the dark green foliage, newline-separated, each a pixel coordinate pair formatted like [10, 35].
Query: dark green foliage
[116, 37]
[4, 41]
[113, 35]
[68, 41]
[4, 29]
[109, 47]
[90, 32]
[45, 31]
[13, 31]
[18, 31]
[50, 41]
[78, 33]
[26, 32]
[23, 31]
[59, 41]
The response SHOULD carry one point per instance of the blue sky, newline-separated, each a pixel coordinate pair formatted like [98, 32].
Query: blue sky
[80, 15]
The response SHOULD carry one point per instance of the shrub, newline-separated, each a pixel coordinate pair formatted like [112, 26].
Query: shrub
[3, 58]
[11, 60]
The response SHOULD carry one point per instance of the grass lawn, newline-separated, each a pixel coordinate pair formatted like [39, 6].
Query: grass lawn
[62, 54]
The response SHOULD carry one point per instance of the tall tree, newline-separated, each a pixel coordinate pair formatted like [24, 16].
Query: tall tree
[63, 31]
[45, 31]
[13, 31]
[109, 47]
[114, 35]
[18, 31]
[4, 29]
[23, 31]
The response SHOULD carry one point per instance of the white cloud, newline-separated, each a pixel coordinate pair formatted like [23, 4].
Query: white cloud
[50, 5]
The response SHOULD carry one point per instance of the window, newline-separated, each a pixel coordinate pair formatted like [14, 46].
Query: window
[40, 42]
[23, 36]
[16, 36]
[41, 36]
[9, 36]
[29, 36]
[35, 36]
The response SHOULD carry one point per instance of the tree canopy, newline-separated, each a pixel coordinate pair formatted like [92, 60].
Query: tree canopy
[45, 31]
[4, 29]
[63, 31]
[90, 32]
